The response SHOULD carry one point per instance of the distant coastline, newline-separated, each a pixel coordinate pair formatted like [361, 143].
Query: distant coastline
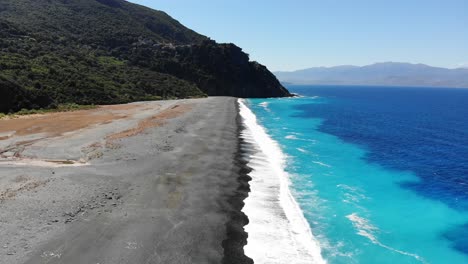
[388, 74]
[366, 86]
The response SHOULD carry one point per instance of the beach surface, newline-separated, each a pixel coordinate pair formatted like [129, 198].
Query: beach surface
[147, 182]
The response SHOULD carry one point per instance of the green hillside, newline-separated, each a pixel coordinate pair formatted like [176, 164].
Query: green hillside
[112, 51]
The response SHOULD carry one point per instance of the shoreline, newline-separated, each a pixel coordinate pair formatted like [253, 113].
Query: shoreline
[168, 188]
[236, 239]
[278, 230]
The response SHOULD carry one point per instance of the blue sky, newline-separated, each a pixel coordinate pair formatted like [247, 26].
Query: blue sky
[295, 34]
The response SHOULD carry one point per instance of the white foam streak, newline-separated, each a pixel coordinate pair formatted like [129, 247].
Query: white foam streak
[277, 229]
[265, 106]
[302, 150]
[366, 229]
[322, 164]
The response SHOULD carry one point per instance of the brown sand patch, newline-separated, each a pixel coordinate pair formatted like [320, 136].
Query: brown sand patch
[92, 151]
[122, 107]
[11, 193]
[153, 121]
[62, 162]
[21, 178]
[56, 124]
[95, 145]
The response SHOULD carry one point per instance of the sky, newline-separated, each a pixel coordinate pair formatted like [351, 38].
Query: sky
[298, 34]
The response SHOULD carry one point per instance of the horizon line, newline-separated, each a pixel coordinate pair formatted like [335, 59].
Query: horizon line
[461, 66]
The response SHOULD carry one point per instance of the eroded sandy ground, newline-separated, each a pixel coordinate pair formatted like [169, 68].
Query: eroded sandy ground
[139, 183]
[81, 135]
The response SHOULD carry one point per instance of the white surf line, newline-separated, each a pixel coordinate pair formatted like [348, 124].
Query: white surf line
[366, 229]
[277, 230]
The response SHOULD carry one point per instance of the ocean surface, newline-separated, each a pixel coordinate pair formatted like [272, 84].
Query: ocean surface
[347, 174]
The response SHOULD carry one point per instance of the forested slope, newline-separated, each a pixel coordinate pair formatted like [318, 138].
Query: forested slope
[112, 51]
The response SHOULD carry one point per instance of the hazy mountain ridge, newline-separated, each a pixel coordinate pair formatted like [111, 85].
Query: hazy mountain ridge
[113, 51]
[386, 73]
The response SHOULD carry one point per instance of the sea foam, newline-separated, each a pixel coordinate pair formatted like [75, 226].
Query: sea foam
[277, 230]
[366, 229]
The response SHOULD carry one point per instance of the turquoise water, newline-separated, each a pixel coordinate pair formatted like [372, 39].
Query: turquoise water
[361, 209]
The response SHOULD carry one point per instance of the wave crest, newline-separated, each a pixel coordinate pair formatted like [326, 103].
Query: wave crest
[366, 229]
[278, 231]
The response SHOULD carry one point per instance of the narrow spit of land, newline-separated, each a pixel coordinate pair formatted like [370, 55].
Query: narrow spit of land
[148, 182]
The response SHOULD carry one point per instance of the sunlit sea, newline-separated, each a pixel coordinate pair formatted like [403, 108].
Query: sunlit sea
[380, 173]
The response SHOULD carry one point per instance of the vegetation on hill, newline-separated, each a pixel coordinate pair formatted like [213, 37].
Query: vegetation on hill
[14, 97]
[111, 51]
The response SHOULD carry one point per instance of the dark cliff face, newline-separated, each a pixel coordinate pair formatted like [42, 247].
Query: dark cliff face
[112, 51]
[218, 69]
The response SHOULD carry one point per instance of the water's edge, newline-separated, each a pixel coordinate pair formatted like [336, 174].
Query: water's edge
[236, 239]
[277, 230]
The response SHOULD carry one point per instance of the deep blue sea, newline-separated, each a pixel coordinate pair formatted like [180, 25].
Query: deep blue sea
[380, 173]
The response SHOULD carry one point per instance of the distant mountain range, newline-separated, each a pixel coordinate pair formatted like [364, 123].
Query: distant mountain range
[386, 74]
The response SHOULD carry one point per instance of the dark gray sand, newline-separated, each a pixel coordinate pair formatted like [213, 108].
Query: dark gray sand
[160, 184]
